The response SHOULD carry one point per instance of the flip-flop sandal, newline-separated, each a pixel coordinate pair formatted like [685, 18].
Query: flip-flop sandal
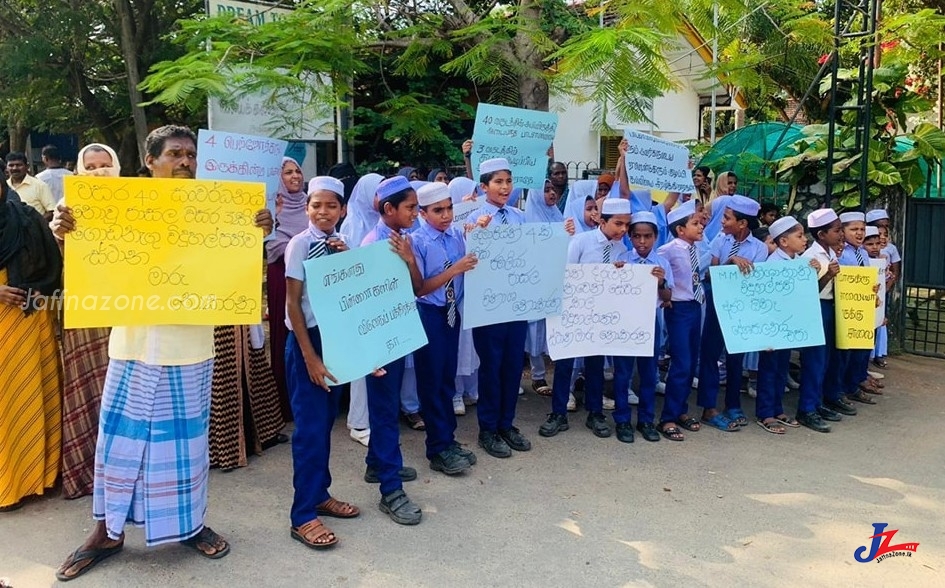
[672, 433]
[208, 537]
[869, 390]
[788, 421]
[689, 424]
[737, 416]
[95, 557]
[337, 509]
[774, 427]
[309, 534]
[541, 388]
[721, 423]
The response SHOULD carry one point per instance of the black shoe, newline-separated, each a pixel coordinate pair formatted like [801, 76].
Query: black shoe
[464, 453]
[829, 415]
[624, 432]
[400, 509]
[579, 384]
[649, 431]
[554, 425]
[406, 473]
[598, 423]
[514, 438]
[449, 462]
[493, 444]
[812, 420]
[842, 406]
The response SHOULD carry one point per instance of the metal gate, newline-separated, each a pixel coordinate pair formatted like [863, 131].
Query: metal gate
[924, 277]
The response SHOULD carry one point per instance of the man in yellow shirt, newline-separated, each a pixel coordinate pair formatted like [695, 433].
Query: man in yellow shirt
[32, 191]
[155, 413]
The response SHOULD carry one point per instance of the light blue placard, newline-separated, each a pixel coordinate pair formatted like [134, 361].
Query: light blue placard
[776, 306]
[521, 136]
[241, 158]
[520, 274]
[366, 310]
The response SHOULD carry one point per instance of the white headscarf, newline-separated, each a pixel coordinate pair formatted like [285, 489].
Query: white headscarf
[580, 191]
[536, 211]
[362, 217]
[114, 171]
[460, 188]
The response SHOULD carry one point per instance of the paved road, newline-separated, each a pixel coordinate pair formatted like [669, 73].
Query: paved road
[747, 508]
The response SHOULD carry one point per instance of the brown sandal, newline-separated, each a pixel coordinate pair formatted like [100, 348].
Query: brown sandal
[338, 509]
[311, 534]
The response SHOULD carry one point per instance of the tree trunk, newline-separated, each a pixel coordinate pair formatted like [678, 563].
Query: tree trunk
[128, 45]
[533, 90]
[18, 136]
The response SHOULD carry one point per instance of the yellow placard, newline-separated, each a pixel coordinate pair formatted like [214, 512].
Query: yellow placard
[162, 252]
[855, 307]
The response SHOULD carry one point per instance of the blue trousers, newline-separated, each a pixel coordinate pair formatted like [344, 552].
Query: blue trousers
[821, 367]
[314, 410]
[711, 351]
[772, 377]
[383, 398]
[858, 362]
[648, 370]
[500, 372]
[436, 377]
[684, 326]
[593, 384]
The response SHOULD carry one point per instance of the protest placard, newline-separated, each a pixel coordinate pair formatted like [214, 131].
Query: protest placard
[366, 310]
[520, 274]
[462, 210]
[605, 309]
[241, 158]
[880, 264]
[855, 307]
[521, 136]
[773, 307]
[656, 163]
[162, 252]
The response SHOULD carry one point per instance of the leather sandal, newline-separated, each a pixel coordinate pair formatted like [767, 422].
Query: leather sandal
[311, 532]
[338, 509]
[206, 536]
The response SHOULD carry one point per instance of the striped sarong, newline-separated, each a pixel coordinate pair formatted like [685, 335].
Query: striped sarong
[151, 460]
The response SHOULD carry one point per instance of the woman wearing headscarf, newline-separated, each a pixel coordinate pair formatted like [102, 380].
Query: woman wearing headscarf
[30, 406]
[462, 189]
[438, 174]
[584, 213]
[410, 173]
[85, 361]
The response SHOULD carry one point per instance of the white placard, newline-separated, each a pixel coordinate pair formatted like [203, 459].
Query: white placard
[606, 311]
[656, 163]
[462, 210]
[881, 263]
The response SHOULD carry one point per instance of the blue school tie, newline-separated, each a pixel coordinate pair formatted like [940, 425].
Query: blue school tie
[608, 248]
[450, 297]
[697, 294]
[318, 248]
[859, 257]
[504, 214]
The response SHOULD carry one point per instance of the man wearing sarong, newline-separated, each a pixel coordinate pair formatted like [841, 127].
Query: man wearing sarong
[151, 459]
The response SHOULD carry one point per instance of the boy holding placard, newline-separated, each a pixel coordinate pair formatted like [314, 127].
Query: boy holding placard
[735, 246]
[441, 255]
[683, 317]
[856, 361]
[499, 346]
[603, 245]
[643, 230]
[788, 236]
[874, 248]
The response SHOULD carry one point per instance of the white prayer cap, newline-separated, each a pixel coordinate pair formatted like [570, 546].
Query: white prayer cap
[781, 226]
[875, 215]
[872, 232]
[821, 218]
[326, 183]
[644, 216]
[852, 217]
[493, 165]
[744, 205]
[432, 193]
[615, 206]
[681, 211]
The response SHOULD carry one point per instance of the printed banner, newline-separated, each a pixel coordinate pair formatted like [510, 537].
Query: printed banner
[462, 210]
[521, 136]
[162, 252]
[366, 310]
[855, 307]
[241, 158]
[519, 276]
[604, 307]
[776, 306]
[881, 264]
[656, 163]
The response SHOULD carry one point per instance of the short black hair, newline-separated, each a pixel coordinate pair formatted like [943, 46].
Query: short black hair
[656, 229]
[51, 152]
[761, 233]
[702, 168]
[16, 156]
[154, 144]
[341, 198]
[395, 199]
[751, 220]
[768, 207]
[487, 177]
[679, 223]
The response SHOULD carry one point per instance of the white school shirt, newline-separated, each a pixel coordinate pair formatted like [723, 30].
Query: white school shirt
[892, 253]
[824, 257]
[296, 252]
[588, 247]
